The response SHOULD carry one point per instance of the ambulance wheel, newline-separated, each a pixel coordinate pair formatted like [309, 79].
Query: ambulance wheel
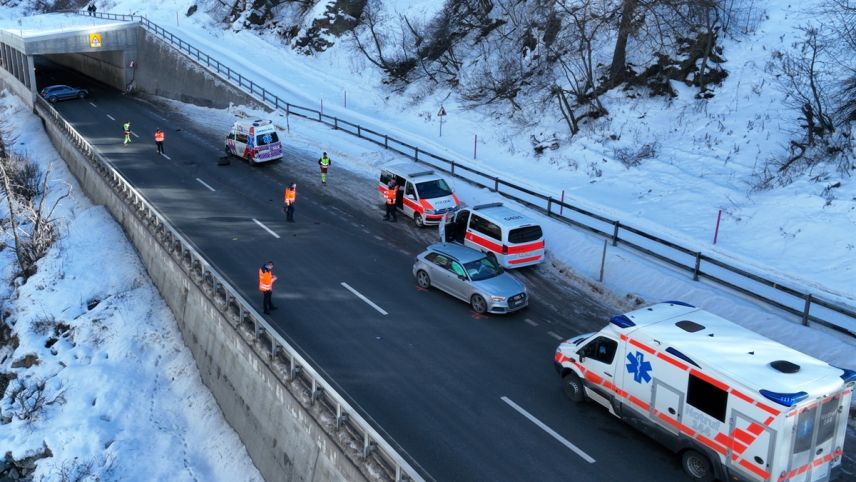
[697, 466]
[417, 219]
[423, 280]
[573, 387]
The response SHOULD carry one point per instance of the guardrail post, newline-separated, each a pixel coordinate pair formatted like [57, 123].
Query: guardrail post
[341, 418]
[453, 166]
[335, 123]
[697, 266]
[549, 206]
[359, 131]
[495, 184]
[386, 141]
[806, 309]
[615, 233]
[416, 153]
[368, 445]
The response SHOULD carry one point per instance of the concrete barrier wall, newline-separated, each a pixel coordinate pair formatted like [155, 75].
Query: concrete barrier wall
[165, 72]
[108, 66]
[8, 81]
[285, 432]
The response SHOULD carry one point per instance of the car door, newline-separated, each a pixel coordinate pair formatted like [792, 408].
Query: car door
[438, 269]
[459, 282]
[65, 92]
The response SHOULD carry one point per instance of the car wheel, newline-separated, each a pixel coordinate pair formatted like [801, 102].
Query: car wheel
[423, 280]
[81, 95]
[697, 466]
[573, 387]
[417, 219]
[52, 99]
[479, 304]
[227, 151]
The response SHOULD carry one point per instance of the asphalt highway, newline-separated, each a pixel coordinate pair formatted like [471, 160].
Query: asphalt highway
[466, 397]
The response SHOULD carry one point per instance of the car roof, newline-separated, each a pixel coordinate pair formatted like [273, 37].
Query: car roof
[459, 252]
[503, 215]
[412, 170]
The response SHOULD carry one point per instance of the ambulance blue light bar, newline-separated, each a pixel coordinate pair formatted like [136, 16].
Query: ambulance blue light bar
[680, 303]
[786, 399]
[622, 321]
[848, 375]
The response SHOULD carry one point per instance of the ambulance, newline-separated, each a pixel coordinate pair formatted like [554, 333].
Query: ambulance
[422, 194]
[254, 140]
[735, 405]
[514, 239]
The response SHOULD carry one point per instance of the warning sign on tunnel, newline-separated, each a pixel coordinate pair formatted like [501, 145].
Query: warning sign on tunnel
[95, 40]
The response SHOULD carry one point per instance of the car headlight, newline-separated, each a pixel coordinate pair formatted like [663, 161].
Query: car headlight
[498, 298]
[429, 211]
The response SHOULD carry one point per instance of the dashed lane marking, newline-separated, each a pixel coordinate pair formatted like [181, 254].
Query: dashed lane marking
[111, 117]
[205, 184]
[555, 335]
[549, 430]
[530, 322]
[266, 228]
[93, 105]
[164, 155]
[360, 296]
[135, 134]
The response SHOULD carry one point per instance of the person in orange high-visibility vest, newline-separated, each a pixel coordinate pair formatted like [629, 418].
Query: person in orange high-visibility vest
[391, 193]
[159, 138]
[266, 281]
[289, 199]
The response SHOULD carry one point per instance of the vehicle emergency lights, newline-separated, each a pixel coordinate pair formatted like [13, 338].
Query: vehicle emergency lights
[621, 321]
[786, 399]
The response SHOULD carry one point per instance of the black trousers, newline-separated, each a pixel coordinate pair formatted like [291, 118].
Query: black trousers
[160, 147]
[267, 304]
[289, 212]
[390, 212]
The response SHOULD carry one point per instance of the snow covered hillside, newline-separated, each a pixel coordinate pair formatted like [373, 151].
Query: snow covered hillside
[98, 382]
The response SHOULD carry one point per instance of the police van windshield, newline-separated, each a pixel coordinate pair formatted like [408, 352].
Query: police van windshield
[433, 189]
[265, 139]
[484, 268]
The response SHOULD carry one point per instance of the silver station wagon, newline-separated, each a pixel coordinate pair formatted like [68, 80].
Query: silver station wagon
[470, 275]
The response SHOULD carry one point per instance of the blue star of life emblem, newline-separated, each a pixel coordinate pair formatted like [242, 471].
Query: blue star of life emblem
[639, 367]
[267, 138]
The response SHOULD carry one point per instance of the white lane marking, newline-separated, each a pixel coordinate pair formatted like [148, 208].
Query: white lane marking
[360, 296]
[266, 228]
[164, 155]
[135, 134]
[93, 105]
[205, 184]
[111, 117]
[555, 335]
[530, 322]
[549, 430]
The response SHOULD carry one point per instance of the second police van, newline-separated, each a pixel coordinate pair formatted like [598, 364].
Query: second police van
[254, 140]
[516, 240]
[422, 194]
[734, 404]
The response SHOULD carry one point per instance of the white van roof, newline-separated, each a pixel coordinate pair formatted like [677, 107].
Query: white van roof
[254, 123]
[411, 170]
[728, 348]
[497, 212]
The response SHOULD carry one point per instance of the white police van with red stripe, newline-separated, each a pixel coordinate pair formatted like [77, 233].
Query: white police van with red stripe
[422, 194]
[735, 405]
[515, 239]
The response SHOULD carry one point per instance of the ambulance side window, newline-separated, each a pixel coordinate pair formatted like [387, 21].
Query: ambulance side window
[601, 349]
[409, 191]
[707, 397]
[482, 225]
[242, 138]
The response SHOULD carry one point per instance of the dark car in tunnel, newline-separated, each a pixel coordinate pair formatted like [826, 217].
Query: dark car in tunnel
[54, 93]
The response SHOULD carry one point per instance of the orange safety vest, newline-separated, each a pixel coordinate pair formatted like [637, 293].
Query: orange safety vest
[266, 279]
[159, 136]
[390, 195]
[290, 195]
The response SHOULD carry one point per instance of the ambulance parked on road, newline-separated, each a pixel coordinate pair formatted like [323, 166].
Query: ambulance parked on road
[735, 405]
[515, 239]
[422, 194]
[254, 140]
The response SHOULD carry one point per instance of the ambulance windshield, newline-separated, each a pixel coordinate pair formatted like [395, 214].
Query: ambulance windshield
[433, 189]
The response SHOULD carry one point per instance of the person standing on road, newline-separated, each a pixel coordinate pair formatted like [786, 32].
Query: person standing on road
[324, 162]
[159, 138]
[391, 193]
[289, 199]
[266, 281]
[126, 128]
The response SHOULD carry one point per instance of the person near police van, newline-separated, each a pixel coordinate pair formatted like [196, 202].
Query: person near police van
[289, 199]
[126, 129]
[266, 281]
[324, 164]
[159, 138]
[391, 193]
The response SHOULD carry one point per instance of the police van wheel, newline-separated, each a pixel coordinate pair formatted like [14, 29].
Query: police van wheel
[417, 219]
[697, 466]
[423, 280]
[573, 387]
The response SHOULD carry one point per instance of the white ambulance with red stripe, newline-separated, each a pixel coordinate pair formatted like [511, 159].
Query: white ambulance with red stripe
[735, 405]
[422, 194]
[515, 239]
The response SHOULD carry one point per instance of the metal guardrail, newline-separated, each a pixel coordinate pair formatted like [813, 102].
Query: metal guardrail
[286, 362]
[809, 308]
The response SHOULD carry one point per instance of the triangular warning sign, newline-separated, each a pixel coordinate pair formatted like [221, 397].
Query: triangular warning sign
[442, 112]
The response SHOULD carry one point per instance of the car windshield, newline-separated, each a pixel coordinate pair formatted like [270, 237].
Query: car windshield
[433, 189]
[265, 139]
[484, 268]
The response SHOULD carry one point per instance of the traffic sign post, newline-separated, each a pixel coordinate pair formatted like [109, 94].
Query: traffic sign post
[441, 114]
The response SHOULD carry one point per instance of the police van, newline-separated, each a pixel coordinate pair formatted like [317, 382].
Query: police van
[734, 404]
[254, 140]
[422, 194]
[515, 239]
